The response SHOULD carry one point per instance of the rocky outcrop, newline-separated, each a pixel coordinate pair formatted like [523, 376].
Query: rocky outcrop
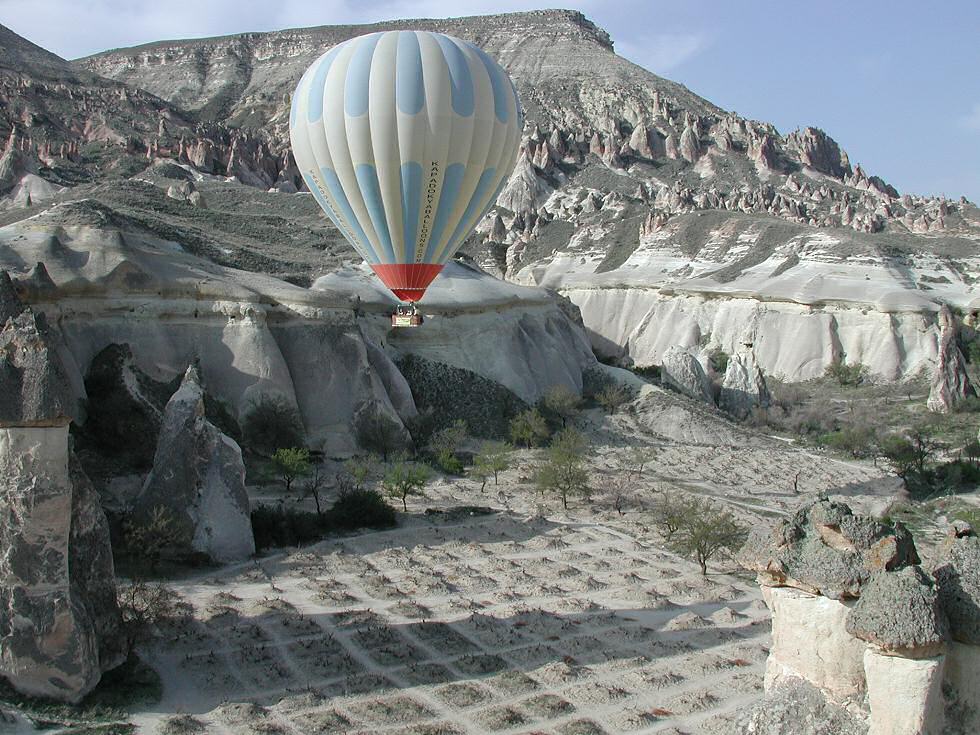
[744, 387]
[198, 478]
[825, 549]
[59, 621]
[950, 384]
[857, 619]
[682, 371]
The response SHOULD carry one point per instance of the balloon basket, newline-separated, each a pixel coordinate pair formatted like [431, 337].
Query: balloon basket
[406, 315]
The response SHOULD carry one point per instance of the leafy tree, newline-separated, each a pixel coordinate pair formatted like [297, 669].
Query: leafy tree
[493, 458]
[972, 451]
[858, 441]
[560, 403]
[529, 428]
[613, 396]
[359, 470]
[379, 433]
[445, 443]
[290, 464]
[361, 508]
[909, 453]
[272, 422]
[403, 479]
[847, 375]
[719, 360]
[637, 459]
[705, 530]
[564, 472]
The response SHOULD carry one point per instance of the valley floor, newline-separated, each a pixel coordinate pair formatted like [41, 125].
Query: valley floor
[525, 619]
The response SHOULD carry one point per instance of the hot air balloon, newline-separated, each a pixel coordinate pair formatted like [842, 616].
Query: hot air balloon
[405, 139]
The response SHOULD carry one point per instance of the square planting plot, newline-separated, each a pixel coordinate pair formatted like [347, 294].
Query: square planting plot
[428, 728]
[399, 709]
[547, 706]
[581, 727]
[322, 723]
[387, 647]
[513, 683]
[359, 684]
[463, 695]
[424, 673]
[495, 719]
[442, 638]
[322, 659]
[532, 657]
[480, 665]
[597, 693]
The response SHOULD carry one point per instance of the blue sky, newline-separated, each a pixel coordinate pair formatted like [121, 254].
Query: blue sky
[896, 82]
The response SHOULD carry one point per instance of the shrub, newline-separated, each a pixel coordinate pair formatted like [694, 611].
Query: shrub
[613, 396]
[270, 423]
[379, 433]
[564, 472]
[277, 526]
[147, 606]
[529, 428]
[291, 464]
[719, 360]
[847, 375]
[404, 479]
[559, 404]
[858, 441]
[444, 445]
[360, 508]
[146, 539]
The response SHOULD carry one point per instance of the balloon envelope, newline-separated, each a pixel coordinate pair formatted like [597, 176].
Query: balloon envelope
[405, 138]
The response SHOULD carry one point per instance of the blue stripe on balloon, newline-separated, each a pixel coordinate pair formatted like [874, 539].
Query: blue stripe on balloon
[451, 182]
[409, 87]
[477, 202]
[314, 102]
[497, 81]
[348, 226]
[459, 75]
[357, 84]
[367, 180]
[411, 188]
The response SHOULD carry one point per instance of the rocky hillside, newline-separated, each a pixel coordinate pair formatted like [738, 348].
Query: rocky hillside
[668, 220]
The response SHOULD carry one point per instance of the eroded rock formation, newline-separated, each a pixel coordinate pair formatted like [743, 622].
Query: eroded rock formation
[858, 622]
[198, 478]
[744, 387]
[681, 370]
[950, 384]
[59, 621]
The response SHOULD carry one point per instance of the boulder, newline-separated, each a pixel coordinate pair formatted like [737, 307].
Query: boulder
[957, 575]
[199, 477]
[950, 383]
[681, 370]
[796, 707]
[744, 387]
[900, 612]
[826, 549]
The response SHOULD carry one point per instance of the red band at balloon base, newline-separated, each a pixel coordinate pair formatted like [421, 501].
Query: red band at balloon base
[407, 281]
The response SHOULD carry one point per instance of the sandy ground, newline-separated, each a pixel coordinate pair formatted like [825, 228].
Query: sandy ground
[528, 619]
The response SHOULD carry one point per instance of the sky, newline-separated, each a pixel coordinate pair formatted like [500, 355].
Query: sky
[895, 82]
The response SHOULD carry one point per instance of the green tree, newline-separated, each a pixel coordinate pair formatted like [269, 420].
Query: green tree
[698, 528]
[564, 471]
[290, 464]
[271, 422]
[560, 403]
[858, 441]
[493, 458]
[445, 443]
[847, 375]
[405, 478]
[359, 470]
[529, 428]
